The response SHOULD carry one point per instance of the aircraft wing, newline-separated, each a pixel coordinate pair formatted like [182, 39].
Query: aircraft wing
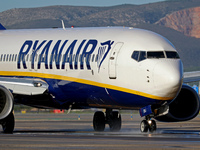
[191, 76]
[24, 86]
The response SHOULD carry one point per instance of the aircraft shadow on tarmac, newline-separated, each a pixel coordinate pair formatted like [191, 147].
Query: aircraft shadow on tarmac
[186, 130]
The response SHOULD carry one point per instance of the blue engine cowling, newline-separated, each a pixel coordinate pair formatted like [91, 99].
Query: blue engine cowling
[184, 107]
[6, 102]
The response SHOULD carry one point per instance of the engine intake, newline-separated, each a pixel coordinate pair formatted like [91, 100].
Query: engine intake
[6, 102]
[184, 107]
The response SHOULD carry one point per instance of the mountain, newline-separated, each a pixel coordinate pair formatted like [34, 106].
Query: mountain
[186, 21]
[148, 16]
[122, 15]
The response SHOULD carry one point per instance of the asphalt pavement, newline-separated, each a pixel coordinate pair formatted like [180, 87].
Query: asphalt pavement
[75, 131]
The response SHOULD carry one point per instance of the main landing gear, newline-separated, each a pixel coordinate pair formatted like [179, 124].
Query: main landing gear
[112, 118]
[8, 124]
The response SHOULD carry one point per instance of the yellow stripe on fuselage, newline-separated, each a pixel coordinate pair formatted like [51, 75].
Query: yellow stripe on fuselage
[83, 81]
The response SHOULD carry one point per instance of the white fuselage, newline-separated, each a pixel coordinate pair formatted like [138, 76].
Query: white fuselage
[99, 57]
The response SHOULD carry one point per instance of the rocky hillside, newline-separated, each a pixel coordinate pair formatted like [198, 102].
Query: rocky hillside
[186, 21]
[123, 15]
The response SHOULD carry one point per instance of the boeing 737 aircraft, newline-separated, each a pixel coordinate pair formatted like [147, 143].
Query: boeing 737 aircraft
[80, 68]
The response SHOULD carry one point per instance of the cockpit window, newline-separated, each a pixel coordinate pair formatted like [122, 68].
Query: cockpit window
[158, 54]
[142, 56]
[135, 55]
[139, 55]
[173, 55]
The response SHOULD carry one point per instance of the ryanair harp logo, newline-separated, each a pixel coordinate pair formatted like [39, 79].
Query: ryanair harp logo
[56, 55]
[103, 52]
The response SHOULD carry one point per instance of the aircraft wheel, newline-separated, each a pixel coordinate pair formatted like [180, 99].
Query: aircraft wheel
[152, 127]
[99, 121]
[115, 123]
[144, 126]
[8, 124]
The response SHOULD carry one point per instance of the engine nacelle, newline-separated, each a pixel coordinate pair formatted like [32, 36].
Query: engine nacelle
[184, 107]
[6, 102]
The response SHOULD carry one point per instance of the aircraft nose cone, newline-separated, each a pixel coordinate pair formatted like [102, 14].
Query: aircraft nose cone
[168, 76]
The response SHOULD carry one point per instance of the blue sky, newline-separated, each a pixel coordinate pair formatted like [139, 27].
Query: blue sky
[9, 4]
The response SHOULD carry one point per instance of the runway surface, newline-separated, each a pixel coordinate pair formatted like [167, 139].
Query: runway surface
[75, 131]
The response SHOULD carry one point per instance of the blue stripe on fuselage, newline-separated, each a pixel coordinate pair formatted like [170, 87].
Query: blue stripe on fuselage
[89, 95]
[84, 95]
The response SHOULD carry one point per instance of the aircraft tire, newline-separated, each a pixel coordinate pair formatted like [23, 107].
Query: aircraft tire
[152, 127]
[8, 124]
[144, 126]
[115, 123]
[99, 121]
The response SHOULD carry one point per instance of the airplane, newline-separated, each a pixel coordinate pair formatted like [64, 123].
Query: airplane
[113, 68]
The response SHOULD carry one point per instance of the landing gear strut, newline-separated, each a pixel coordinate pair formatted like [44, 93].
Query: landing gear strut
[112, 118]
[8, 124]
[148, 124]
[152, 112]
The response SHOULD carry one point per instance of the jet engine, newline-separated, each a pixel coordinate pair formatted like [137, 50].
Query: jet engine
[6, 102]
[184, 107]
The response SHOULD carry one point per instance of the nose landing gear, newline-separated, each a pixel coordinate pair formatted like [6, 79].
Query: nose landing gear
[152, 112]
[148, 124]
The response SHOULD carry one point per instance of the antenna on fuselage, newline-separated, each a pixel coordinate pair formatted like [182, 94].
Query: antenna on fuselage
[63, 25]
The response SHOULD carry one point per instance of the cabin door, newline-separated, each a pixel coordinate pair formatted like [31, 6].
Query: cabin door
[112, 65]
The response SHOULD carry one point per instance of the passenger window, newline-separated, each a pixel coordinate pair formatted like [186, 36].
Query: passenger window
[1, 57]
[60, 58]
[70, 58]
[15, 57]
[51, 57]
[27, 57]
[76, 58]
[135, 55]
[96, 58]
[23, 57]
[10, 57]
[31, 57]
[36, 56]
[93, 58]
[7, 57]
[80, 57]
[4, 58]
[73, 58]
[89, 57]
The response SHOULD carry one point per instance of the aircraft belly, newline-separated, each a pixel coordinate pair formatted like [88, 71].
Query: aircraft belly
[86, 96]
[132, 100]
[79, 94]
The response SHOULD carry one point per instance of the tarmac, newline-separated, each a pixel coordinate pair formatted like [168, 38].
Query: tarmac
[75, 131]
